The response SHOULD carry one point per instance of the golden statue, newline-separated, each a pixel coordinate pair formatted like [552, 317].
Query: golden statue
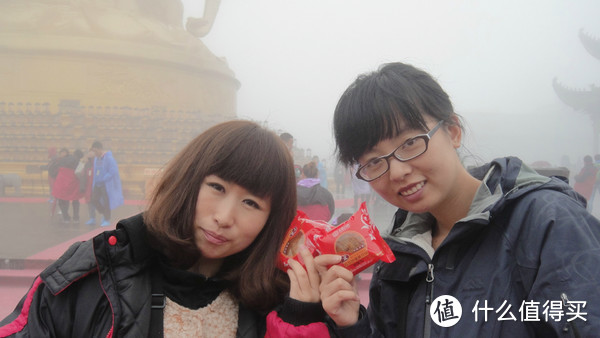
[154, 21]
[108, 70]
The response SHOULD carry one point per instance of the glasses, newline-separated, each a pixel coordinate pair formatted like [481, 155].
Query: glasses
[413, 147]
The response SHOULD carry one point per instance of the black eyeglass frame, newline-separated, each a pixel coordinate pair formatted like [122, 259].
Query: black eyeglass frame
[427, 137]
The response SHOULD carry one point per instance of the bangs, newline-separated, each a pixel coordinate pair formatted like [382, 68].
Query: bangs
[255, 161]
[367, 114]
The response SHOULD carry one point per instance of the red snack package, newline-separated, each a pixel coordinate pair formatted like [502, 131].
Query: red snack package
[302, 232]
[357, 240]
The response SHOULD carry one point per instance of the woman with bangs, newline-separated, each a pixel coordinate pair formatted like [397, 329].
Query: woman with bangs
[200, 261]
[497, 238]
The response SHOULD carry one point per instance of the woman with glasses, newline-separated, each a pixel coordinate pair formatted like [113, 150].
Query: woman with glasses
[199, 262]
[516, 250]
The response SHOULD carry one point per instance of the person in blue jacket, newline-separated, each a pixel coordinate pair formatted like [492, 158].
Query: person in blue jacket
[516, 250]
[107, 194]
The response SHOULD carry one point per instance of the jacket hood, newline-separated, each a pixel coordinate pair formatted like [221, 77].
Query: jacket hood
[307, 196]
[509, 178]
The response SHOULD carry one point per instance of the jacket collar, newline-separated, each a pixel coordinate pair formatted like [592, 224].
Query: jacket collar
[502, 179]
[80, 259]
[137, 234]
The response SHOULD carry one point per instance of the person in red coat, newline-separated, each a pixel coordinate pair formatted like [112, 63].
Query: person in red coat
[314, 200]
[66, 185]
[85, 174]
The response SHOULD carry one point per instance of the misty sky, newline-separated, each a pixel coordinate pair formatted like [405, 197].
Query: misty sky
[496, 60]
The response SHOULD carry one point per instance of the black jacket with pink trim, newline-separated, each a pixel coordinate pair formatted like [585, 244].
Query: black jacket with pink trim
[102, 288]
[78, 295]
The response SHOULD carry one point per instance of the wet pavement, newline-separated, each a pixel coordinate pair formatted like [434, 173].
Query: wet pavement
[32, 237]
[28, 226]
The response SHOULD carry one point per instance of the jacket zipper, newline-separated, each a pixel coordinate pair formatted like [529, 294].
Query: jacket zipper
[428, 299]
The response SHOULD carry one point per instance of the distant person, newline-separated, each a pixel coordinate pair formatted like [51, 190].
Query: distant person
[85, 174]
[52, 167]
[66, 185]
[200, 261]
[288, 139]
[52, 154]
[596, 183]
[322, 171]
[106, 192]
[339, 176]
[585, 180]
[53, 164]
[360, 189]
[314, 200]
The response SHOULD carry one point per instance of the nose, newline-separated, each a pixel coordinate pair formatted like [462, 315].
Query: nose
[225, 213]
[398, 169]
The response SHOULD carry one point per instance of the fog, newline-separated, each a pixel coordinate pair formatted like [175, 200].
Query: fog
[496, 60]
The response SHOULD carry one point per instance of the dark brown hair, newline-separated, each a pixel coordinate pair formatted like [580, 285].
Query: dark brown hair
[310, 170]
[253, 157]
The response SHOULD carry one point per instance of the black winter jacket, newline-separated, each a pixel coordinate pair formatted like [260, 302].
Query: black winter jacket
[102, 288]
[528, 247]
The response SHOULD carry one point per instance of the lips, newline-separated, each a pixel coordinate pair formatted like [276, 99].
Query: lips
[412, 189]
[214, 238]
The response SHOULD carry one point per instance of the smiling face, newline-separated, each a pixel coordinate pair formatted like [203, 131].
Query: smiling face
[426, 182]
[227, 220]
